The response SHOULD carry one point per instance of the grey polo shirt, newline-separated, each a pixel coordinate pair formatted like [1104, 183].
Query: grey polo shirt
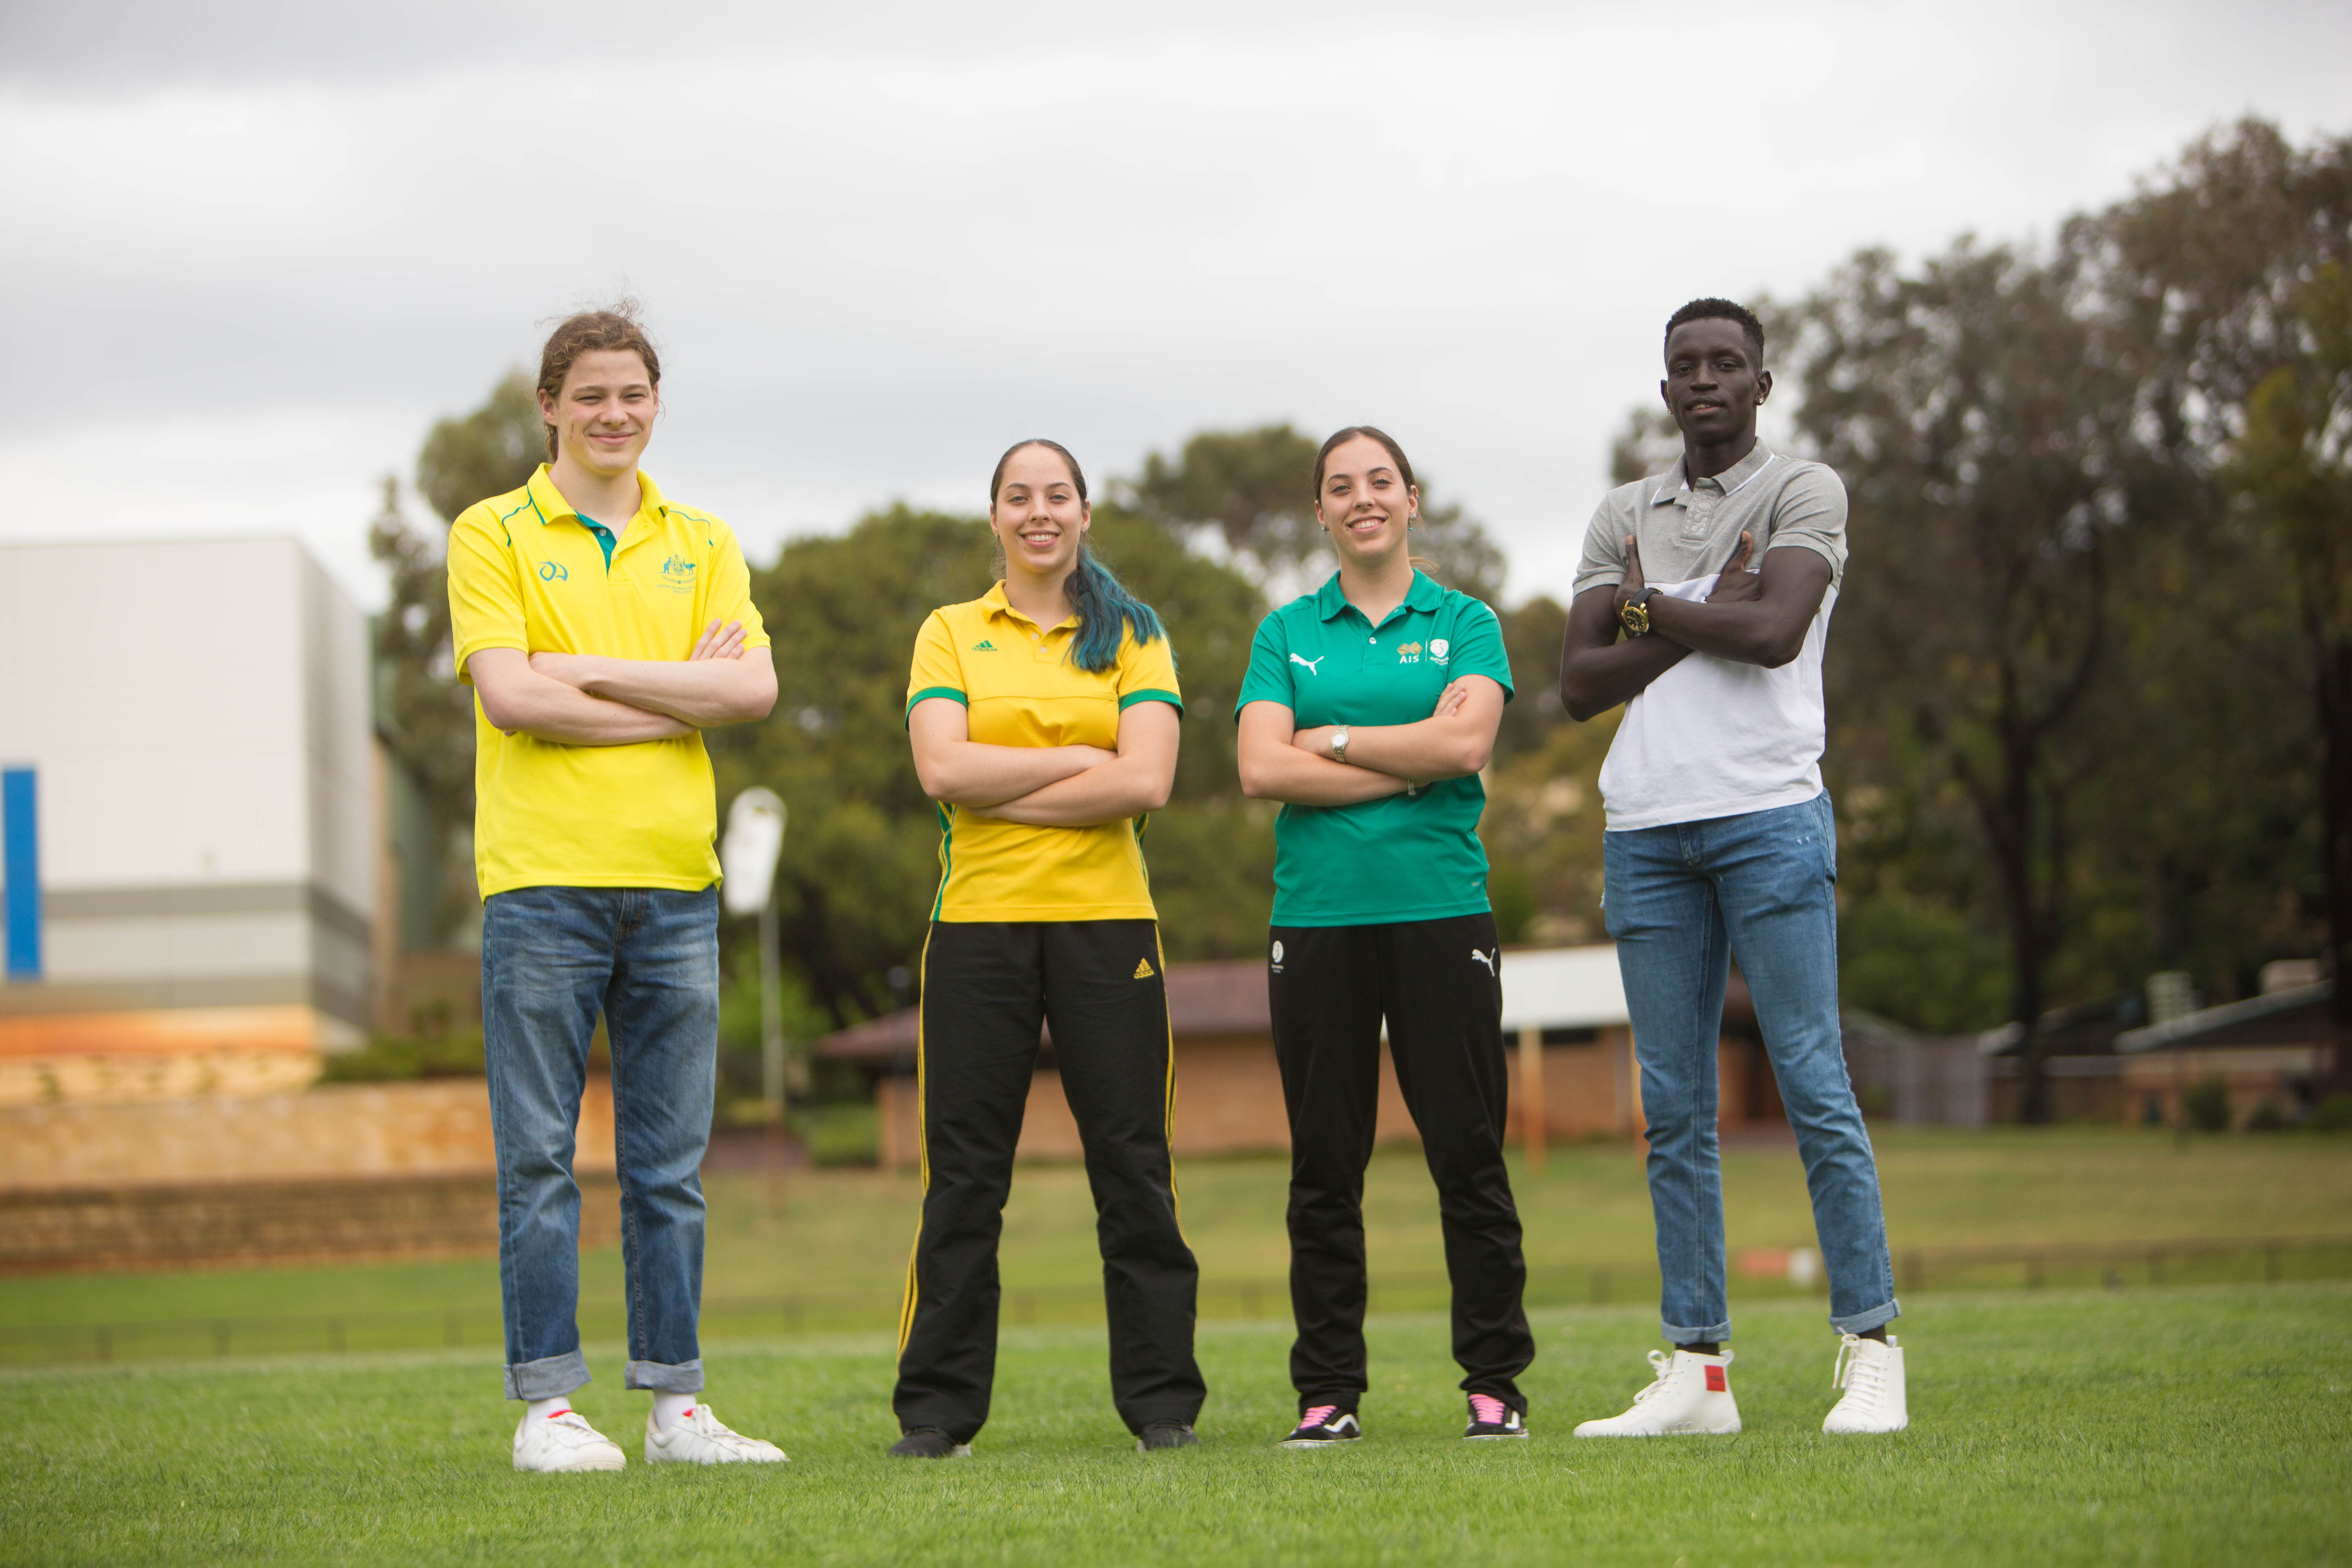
[1688, 528]
[1713, 737]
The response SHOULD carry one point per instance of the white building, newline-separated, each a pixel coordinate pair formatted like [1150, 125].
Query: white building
[195, 720]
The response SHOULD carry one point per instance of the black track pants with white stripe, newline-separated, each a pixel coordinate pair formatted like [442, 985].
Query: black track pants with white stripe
[987, 986]
[1437, 983]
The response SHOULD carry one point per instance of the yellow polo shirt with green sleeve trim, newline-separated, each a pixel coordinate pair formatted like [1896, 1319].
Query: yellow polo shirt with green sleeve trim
[1020, 687]
[527, 572]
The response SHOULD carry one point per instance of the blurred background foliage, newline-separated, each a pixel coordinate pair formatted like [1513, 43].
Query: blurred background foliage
[2090, 682]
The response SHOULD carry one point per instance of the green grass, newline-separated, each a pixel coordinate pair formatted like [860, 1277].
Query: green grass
[2186, 1426]
[847, 1230]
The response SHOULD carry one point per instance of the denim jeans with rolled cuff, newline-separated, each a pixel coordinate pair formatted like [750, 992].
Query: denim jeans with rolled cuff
[647, 959]
[1684, 902]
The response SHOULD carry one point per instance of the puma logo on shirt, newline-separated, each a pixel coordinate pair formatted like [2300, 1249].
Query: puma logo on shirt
[1482, 958]
[1309, 663]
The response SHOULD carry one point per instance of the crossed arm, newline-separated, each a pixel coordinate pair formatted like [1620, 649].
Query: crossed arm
[589, 699]
[1757, 617]
[1046, 787]
[1280, 761]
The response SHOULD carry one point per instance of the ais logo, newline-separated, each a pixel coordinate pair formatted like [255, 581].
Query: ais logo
[1409, 653]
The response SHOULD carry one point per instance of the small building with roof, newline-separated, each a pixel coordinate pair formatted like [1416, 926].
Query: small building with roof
[1563, 1012]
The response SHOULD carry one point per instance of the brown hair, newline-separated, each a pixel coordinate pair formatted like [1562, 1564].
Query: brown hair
[1341, 437]
[996, 480]
[615, 330]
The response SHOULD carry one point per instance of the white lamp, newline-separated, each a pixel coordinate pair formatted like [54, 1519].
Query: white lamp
[747, 856]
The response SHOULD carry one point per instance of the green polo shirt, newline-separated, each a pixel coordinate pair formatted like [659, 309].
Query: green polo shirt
[1397, 858]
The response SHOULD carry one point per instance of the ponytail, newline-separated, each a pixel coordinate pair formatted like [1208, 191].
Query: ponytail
[1106, 610]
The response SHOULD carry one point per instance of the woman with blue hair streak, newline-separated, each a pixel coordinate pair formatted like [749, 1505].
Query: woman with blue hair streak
[1044, 720]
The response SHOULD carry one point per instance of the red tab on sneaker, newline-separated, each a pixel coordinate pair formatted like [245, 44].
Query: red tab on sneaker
[1714, 1381]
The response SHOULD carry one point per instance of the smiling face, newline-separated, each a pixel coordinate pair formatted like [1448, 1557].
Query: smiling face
[604, 415]
[1713, 381]
[1038, 515]
[1365, 504]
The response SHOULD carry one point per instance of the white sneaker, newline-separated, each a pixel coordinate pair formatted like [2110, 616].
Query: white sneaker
[564, 1441]
[1691, 1396]
[700, 1439]
[1872, 1375]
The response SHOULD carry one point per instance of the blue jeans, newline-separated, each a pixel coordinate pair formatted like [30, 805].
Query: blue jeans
[1683, 901]
[648, 959]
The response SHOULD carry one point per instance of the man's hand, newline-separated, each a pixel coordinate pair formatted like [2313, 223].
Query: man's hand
[586, 670]
[1634, 581]
[1738, 585]
[726, 642]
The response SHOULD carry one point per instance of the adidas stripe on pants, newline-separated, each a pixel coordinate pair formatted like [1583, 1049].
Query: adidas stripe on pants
[987, 988]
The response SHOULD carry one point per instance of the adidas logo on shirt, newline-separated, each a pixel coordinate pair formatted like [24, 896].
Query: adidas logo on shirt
[984, 646]
[1142, 969]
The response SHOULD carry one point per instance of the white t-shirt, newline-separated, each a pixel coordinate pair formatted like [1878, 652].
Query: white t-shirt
[1712, 737]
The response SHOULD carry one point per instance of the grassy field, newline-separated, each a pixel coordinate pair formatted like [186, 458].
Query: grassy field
[847, 1231]
[2178, 1426]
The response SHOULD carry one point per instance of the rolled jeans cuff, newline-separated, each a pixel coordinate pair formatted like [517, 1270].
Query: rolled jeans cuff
[1859, 1322]
[549, 1377]
[684, 1378]
[1679, 1335]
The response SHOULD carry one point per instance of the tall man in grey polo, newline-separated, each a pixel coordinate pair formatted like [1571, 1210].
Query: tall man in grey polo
[1703, 605]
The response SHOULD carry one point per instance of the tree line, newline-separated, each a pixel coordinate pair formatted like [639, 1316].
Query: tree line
[2090, 682]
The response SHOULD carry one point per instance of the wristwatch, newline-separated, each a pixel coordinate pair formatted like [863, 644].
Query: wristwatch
[1340, 744]
[1635, 616]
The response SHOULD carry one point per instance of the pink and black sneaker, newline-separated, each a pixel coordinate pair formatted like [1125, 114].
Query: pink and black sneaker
[1322, 1426]
[1490, 1417]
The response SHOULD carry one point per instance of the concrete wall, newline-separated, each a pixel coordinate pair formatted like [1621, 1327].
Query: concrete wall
[206, 803]
[432, 1129]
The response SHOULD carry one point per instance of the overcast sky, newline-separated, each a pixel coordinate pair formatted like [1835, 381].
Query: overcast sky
[253, 249]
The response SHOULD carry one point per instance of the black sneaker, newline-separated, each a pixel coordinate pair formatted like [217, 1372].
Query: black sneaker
[1322, 1426]
[1166, 1435]
[1490, 1417]
[929, 1443]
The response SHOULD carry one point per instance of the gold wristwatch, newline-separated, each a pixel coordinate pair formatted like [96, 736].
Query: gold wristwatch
[1635, 616]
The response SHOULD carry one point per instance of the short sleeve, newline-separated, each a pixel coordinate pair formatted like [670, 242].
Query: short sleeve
[731, 587]
[1810, 514]
[1147, 672]
[939, 669]
[1269, 680]
[1603, 563]
[1479, 647]
[485, 599]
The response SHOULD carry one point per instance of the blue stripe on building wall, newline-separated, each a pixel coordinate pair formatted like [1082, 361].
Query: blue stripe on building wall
[20, 860]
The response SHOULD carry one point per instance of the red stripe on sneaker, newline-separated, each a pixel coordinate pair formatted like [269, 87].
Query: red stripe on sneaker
[1714, 1381]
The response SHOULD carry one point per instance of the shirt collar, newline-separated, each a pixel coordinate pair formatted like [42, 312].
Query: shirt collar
[1424, 595]
[1674, 485]
[552, 508]
[999, 605]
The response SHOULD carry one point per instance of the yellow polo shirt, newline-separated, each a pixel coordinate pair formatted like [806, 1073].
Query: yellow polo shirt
[1020, 689]
[525, 573]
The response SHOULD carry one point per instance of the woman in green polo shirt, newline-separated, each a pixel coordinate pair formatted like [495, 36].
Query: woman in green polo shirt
[1369, 709]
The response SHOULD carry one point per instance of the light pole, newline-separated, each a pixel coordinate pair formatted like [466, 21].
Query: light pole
[748, 856]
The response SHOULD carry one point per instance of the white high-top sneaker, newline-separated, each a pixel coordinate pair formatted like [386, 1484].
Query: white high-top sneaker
[1872, 1375]
[1692, 1396]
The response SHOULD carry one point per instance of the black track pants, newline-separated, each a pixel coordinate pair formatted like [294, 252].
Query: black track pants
[986, 988]
[1437, 983]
